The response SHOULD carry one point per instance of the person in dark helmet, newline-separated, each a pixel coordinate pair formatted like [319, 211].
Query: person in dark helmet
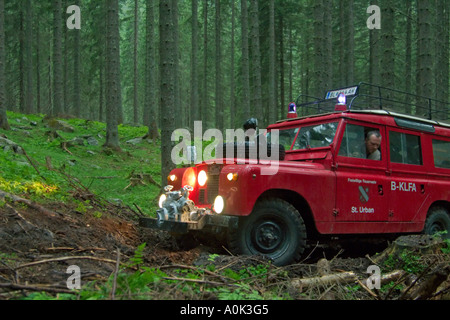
[250, 129]
[251, 123]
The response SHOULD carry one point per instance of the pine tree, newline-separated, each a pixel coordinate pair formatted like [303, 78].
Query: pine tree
[58, 107]
[3, 117]
[167, 68]
[113, 90]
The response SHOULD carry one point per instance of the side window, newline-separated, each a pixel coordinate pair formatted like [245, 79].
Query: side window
[361, 142]
[405, 148]
[441, 150]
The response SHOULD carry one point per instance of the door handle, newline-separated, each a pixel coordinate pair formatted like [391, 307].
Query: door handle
[380, 190]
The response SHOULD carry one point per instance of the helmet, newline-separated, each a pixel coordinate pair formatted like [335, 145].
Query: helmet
[251, 123]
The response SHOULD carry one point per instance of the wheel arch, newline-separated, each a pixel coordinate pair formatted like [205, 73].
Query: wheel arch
[299, 203]
[440, 203]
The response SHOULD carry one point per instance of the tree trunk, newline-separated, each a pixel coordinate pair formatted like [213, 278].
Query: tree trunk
[245, 103]
[219, 106]
[388, 46]
[232, 68]
[408, 55]
[151, 104]
[319, 42]
[272, 106]
[135, 69]
[442, 57]
[76, 71]
[167, 84]
[205, 100]
[256, 98]
[194, 109]
[3, 117]
[28, 58]
[425, 48]
[58, 107]
[113, 92]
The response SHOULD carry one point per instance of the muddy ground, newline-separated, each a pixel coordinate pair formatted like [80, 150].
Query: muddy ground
[39, 243]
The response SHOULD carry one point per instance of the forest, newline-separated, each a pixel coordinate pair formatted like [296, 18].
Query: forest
[166, 64]
[92, 91]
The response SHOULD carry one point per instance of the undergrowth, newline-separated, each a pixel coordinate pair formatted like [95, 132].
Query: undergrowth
[104, 173]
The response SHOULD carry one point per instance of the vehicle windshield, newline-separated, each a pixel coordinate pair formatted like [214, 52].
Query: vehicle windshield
[285, 137]
[321, 135]
[309, 137]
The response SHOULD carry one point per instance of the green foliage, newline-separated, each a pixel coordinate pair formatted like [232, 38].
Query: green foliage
[407, 261]
[104, 174]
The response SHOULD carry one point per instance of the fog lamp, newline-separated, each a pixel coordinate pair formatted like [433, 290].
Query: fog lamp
[219, 204]
[162, 198]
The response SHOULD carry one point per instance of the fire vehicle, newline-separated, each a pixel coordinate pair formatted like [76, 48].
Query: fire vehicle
[324, 186]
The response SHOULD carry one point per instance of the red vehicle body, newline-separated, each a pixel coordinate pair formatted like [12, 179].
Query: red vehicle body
[322, 186]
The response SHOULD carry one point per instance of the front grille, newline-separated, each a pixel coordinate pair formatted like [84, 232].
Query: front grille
[201, 196]
[213, 187]
[212, 184]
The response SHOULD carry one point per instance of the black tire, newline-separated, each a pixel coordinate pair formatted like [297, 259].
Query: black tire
[274, 229]
[438, 220]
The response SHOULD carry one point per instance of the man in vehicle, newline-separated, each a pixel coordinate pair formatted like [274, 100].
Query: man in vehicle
[373, 143]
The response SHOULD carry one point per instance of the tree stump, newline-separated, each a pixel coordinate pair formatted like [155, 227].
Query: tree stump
[419, 244]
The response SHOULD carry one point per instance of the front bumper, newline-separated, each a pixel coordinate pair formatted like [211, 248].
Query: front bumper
[180, 215]
[183, 227]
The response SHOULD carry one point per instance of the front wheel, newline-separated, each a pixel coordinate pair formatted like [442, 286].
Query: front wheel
[274, 229]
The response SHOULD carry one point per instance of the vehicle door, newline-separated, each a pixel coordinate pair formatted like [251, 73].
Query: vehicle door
[362, 188]
[408, 177]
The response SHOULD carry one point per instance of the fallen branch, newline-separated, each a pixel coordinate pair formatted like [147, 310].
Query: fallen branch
[34, 288]
[29, 203]
[326, 280]
[428, 287]
[64, 259]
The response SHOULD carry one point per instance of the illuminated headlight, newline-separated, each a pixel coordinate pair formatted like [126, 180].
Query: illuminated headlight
[219, 204]
[232, 176]
[162, 198]
[172, 178]
[202, 177]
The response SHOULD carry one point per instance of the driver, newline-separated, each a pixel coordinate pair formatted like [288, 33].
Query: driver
[373, 143]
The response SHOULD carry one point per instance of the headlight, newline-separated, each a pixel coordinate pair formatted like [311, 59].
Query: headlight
[172, 178]
[189, 178]
[162, 198]
[219, 204]
[202, 177]
[232, 176]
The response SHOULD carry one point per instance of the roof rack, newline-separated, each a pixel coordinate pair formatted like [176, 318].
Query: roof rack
[366, 96]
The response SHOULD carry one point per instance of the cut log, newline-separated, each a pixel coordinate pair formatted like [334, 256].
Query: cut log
[326, 280]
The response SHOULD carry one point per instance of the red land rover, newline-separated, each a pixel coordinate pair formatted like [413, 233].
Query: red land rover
[325, 184]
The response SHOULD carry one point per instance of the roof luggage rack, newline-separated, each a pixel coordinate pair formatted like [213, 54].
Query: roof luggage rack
[366, 96]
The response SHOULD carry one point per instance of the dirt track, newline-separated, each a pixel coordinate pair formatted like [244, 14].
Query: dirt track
[37, 246]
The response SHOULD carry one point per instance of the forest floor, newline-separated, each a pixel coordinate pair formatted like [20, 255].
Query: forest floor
[38, 244]
[68, 208]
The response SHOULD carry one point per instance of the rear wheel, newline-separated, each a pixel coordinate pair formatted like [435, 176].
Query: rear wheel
[438, 221]
[274, 229]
